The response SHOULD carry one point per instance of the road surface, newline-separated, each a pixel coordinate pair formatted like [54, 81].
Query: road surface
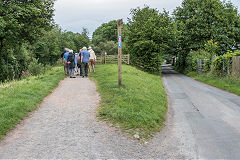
[210, 116]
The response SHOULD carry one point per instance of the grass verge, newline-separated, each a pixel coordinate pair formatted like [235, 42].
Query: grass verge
[138, 107]
[18, 98]
[230, 84]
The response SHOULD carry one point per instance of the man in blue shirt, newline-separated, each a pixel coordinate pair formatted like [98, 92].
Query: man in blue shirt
[85, 55]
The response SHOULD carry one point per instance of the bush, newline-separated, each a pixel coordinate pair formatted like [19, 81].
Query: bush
[194, 56]
[145, 57]
[59, 62]
[205, 55]
[222, 65]
[36, 68]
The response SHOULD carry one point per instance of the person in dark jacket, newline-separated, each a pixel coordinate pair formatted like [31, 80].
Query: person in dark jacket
[79, 62]
[71, 63]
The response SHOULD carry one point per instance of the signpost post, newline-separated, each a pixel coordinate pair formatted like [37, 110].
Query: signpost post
[120, 52]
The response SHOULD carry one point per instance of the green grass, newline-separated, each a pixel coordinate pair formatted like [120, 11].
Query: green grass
[140, 105]
[230, 84]
[18, 98]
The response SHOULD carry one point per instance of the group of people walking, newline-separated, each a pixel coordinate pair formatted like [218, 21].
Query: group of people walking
[78, 63]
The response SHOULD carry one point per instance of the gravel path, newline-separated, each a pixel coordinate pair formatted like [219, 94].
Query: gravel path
[65, 127]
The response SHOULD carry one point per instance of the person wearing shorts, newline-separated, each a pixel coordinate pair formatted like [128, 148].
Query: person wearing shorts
[63, 59]
[92, 59]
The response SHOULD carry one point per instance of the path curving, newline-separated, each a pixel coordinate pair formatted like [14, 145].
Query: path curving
[65, 127]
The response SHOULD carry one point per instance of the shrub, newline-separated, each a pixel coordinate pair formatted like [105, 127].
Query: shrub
[222, 65]
[59, 62]
[36, 68]
[205, 55]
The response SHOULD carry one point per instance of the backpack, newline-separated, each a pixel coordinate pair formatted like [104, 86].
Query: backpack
[71, 57]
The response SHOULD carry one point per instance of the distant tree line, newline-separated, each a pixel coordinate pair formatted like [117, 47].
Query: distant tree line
[150, 35]
[28, 35]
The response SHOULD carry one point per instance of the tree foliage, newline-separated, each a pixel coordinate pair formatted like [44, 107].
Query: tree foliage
[104, 38]
[106, 32]
[27, 34]
[108, 47]
[149, 36]
[200, 21]
[48, 47]
[20, 22]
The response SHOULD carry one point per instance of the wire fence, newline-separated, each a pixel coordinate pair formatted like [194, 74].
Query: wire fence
[224, 67]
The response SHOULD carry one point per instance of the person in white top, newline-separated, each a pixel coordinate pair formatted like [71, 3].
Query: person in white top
[92, 59]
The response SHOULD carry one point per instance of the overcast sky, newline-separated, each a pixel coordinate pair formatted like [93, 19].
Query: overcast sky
[73, 15]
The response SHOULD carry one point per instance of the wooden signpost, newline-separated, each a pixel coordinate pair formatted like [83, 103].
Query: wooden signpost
[120, 52]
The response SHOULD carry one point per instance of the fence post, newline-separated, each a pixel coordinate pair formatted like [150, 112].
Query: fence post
[128, 59]
[224, 67]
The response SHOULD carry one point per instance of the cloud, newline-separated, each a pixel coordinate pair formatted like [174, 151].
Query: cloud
[73, 15]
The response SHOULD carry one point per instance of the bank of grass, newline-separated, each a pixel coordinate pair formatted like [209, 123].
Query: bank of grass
[230, 84]
[18, 98]
[139, 106]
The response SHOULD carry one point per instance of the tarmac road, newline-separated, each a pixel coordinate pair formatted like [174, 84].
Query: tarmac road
[211, 116]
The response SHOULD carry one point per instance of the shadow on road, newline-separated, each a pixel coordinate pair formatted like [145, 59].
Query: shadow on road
[166, 69]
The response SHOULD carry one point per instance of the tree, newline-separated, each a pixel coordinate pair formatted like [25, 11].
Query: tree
[200, 21]
[106, 32]
[47, 48]
[149, 36]
[24, 20]
[21, 21]
[110, 47]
